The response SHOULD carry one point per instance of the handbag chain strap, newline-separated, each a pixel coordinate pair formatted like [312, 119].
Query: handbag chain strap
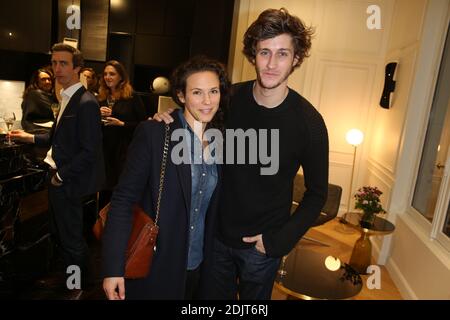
[163, 172]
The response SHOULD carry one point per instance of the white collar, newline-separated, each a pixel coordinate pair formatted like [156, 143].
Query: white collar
[69, 92]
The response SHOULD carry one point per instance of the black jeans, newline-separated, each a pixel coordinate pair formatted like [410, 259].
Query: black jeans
[192, 284]
[66, 215]
[244, 272]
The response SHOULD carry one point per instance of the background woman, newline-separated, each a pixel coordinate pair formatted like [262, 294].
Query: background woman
[121, 110]
[38, 98]
[190, 196]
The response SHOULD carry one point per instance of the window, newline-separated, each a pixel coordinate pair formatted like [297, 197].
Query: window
[432, 190]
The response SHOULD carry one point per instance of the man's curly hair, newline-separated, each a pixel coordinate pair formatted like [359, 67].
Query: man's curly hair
[272, 23]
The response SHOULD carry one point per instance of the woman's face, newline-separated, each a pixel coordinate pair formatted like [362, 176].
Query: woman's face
[202, 97]
[111, 77]
[45, 82]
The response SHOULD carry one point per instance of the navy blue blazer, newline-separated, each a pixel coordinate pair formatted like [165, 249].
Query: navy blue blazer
[76, 143]
[139, 183]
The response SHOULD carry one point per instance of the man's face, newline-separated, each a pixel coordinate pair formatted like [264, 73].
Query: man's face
[45, 82]
[89, 77]
[65, 73]
[274, 61]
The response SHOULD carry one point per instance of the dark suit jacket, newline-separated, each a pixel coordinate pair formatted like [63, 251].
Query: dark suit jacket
[139, 184]
[76, 143]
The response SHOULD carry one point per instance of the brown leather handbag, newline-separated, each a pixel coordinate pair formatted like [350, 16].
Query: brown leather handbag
[142, 241]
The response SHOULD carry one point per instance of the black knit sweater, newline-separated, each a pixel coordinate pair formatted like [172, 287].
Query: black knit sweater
[253, 203]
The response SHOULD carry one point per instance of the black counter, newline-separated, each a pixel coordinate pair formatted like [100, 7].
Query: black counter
[25, 246]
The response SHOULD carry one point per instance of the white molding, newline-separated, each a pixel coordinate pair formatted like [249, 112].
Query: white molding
[403, 52]
[376, 166]
[400, 281]
[340, 164]
[322, 66]
[381, 166]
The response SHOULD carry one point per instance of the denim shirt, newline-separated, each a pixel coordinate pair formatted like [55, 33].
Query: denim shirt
[204, 181]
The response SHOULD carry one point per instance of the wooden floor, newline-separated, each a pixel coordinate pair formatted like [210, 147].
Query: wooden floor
[341, 245]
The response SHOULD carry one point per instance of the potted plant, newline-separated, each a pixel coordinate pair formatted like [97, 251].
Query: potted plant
[368, 200]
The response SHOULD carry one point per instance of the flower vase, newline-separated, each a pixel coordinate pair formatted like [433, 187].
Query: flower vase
[367, 219]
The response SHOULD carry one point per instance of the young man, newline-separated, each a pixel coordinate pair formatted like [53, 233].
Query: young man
[255, 227]
[75, 158]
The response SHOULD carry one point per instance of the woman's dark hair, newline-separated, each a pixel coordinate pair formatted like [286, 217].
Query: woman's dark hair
[272, 23]
[199, 64]
[34, 81]
[124, 86]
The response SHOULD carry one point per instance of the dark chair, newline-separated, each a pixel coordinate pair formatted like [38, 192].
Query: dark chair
[330, 209]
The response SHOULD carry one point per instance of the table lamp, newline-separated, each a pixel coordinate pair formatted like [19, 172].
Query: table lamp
[355, 138]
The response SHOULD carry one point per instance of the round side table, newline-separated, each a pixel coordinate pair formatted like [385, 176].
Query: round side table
[362, 250]
[304, 275]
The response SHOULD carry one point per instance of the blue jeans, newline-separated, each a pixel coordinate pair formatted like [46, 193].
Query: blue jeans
[246, 273]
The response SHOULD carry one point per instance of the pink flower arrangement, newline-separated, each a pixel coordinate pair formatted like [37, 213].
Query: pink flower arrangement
[368, 200]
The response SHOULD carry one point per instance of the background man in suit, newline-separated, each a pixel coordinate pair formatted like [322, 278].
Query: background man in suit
[75, 158]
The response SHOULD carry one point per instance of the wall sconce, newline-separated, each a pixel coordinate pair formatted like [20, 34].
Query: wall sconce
[71, 42]
[389, 85]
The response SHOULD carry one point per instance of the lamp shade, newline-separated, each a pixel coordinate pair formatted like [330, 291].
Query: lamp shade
[354, 137]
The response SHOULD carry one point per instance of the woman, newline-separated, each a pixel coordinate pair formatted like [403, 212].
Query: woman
[37, 102]
[121, 110]
[190, 196]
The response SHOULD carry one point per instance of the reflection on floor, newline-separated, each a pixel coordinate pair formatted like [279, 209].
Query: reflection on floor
[35, 291]
[340, 246]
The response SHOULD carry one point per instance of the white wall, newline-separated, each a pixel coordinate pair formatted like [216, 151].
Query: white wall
[419, 265]
[11, 99]
[387, 125]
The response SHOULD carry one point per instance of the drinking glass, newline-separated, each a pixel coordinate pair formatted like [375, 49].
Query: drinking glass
[282, 271]
[110, 101]
[9, 118]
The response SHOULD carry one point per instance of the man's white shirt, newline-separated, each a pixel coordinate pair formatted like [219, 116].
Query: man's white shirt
[66, 95]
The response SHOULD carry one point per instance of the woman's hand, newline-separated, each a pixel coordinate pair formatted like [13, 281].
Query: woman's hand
[105, 111]
[110, 121]
[114, 288]
[163, 116]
